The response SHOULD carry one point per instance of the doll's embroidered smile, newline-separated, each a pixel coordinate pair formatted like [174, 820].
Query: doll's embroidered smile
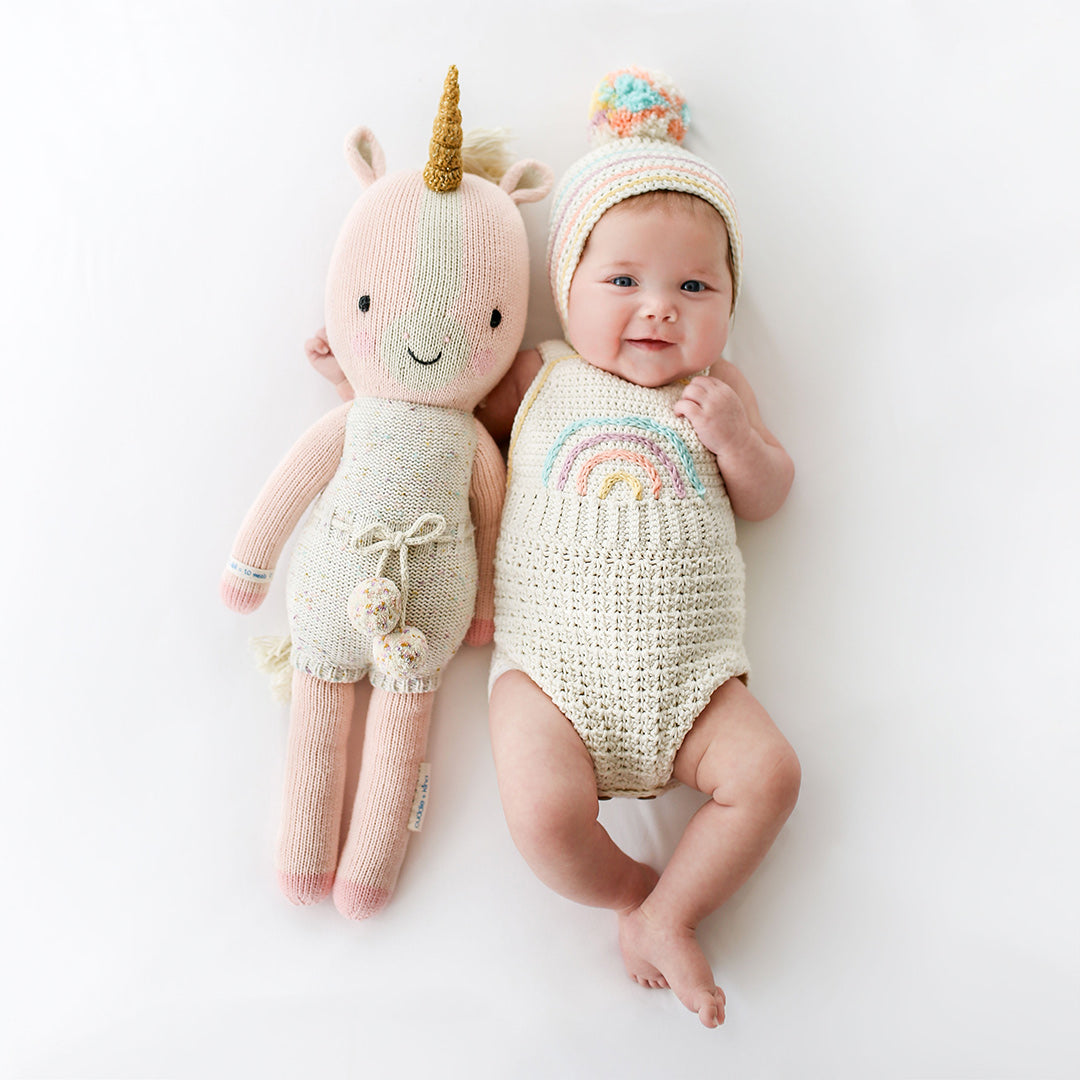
[426, 363]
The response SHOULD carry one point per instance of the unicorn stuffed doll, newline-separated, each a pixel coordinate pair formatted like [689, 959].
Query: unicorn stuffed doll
[425, 309]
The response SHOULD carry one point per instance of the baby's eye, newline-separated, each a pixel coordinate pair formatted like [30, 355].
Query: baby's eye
[623, 281]
[693, 286]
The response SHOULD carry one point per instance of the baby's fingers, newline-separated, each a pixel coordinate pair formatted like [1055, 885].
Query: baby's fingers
[315, 348]
[688, 408]
[693, 392]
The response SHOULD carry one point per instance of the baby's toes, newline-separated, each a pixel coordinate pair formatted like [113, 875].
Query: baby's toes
[711, 1010]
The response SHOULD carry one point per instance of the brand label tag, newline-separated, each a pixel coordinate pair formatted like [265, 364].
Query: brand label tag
[420, 799]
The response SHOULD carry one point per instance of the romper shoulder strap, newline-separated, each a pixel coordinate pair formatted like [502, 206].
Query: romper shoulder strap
[555, 350]
[551, 353]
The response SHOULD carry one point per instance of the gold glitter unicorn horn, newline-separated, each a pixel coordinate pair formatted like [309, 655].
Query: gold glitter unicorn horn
[443, 170]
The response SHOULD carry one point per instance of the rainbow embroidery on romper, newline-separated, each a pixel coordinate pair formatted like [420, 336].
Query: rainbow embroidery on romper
[658, 453]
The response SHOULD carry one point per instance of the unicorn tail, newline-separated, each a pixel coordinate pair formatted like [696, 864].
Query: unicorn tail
[273, 656]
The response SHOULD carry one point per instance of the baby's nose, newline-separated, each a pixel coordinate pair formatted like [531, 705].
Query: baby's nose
[660, 308]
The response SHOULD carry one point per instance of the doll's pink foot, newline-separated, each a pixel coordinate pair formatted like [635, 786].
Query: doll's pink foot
[305, 888]
[355, 900]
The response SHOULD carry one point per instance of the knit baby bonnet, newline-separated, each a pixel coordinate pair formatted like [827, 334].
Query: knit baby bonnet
[637, 121]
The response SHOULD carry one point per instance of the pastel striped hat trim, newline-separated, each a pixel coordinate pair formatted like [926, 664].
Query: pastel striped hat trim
[615, 172]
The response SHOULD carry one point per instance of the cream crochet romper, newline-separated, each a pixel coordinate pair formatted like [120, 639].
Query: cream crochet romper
[618, 586]
[399, 499]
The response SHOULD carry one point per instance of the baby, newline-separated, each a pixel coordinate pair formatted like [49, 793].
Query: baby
[619, 666]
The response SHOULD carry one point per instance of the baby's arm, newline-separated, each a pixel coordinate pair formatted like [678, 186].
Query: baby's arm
[320, 357]
[496, 412]
[724, 412]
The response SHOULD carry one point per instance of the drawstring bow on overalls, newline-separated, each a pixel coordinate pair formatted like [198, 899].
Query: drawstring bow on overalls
[426, 529]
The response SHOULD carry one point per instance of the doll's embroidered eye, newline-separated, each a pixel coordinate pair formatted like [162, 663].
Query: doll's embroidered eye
[496, 318]
[365, 303]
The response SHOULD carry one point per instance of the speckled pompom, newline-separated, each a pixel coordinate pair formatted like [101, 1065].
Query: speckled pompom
[375, 606]
[400, 654]
[632, 102]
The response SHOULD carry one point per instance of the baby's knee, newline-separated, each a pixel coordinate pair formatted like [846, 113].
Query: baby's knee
[781, 780]
[768, 780]
[544, 827]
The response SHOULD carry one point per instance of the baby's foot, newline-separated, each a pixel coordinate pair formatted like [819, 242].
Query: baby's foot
[639, 969]
[658, 955]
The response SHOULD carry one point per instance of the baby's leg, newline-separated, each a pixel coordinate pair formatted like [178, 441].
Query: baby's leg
[548, 791]
[735, 754]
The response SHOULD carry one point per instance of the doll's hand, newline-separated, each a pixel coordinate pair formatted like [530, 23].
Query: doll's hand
[317, 349]
[481, 631]
[240, 595]
[716, 412]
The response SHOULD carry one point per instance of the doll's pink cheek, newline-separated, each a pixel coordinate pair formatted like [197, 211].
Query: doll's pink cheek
[483, 359]
[364, 344]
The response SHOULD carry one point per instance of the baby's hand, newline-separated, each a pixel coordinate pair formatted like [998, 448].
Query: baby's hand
[317, 350]
[716, 412]
[322, 359]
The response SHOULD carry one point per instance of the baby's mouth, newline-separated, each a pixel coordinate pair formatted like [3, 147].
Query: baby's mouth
[650, 344]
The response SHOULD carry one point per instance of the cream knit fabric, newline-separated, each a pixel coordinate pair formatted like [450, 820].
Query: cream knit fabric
[403, 467]
[618, 585]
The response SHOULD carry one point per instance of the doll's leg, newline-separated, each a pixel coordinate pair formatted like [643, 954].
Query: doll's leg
[735, 754]
[394, 745]
[314, 787]
[548, 790]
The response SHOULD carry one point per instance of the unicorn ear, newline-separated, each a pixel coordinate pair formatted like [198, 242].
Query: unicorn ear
[527, 181]
[365, 156]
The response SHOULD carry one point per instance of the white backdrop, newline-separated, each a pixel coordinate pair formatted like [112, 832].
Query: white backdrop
[171, 188]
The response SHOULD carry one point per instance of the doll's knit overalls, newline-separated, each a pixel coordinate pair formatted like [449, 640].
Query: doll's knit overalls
[618, 586]
[400, 492]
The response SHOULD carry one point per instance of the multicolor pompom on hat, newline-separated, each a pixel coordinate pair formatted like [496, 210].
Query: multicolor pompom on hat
[634, 103]
[637, 120]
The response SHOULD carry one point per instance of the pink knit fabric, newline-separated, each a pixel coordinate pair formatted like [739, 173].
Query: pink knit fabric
[314, 787]
[305, 470]
[394, 743]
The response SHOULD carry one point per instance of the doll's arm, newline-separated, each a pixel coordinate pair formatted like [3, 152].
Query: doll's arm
[305, 470]
[486, 493]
